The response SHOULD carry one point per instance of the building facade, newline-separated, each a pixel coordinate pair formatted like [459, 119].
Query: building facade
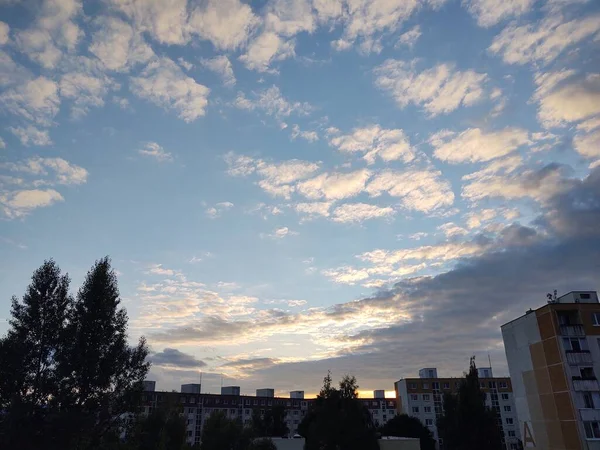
[197, 408]
[423, 398]
[553, 356]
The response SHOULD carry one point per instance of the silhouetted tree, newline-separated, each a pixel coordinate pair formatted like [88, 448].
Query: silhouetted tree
[338, 420]
[262, 444]
[271, 423]
[467, 423]
[160, 430]
[404, 425]
[221, 433]
[67, 375]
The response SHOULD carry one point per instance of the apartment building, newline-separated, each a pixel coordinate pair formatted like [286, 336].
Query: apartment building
[197, 407]
[553, 356]
[422, 398]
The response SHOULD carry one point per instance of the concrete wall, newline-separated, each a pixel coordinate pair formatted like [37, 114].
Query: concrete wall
[384, 444]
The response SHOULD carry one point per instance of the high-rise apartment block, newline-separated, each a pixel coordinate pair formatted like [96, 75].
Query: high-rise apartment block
[423, 398]
[553, 356]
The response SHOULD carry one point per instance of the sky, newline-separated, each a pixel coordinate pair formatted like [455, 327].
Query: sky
[287, 187]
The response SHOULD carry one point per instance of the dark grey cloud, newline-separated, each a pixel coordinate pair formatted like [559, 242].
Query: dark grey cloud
[171, 357]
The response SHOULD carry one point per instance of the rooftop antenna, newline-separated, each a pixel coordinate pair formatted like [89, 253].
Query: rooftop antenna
[490, 361]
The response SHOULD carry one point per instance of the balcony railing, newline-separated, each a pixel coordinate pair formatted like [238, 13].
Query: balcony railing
[590, 415]
[585, 385]
[579, 357]
[572, 330]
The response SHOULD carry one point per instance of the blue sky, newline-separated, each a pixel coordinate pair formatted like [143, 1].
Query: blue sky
[286, 187]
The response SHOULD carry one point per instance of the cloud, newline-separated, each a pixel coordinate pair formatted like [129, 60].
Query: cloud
[334, 186]
[10, 72]
[154, 150]
[35, 100]
[265, 49]
[588, 145]
[562, 102]
[476, 219]
[216, 211]
[58, 171]
[280, 233]
[419, 190]
[544, 41]
[475, 145]
[589, 125]
[374, 141]
[175, 359]
[359, 212]
[313, 209]
[4, 33]
[450, 229]
[2, 144]
[31, 135]
[409, 38]
[491, 12]
[20, 203]
[52, 33]
[118, 46]
[222, 67]
[85, 90]
[158, 269]
[163, 83]
[440, 90]
[273, 103]
[310, 136]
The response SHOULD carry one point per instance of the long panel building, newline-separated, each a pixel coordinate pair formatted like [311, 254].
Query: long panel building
[422, 398]
[197, 407]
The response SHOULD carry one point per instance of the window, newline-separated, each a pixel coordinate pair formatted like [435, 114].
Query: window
[384, 417]
[414, 397]
[247, 412]
[225, 402]
[427, 409]
[509, 421]
[503, 385]
[262, 402]
[426, 397]
[425, 385]
[482, 385]
[596, 319]
[504, 396]
[429, 422]
[587, 373]
[193, 400]
[182, 399]
[189, 434]
[446, 385]
[592, 430]
[435, 385]
[375, 403]
[232, 412]
[588, 400]
[415, 410]
[412, 385]
[507, 408]
[217, 401]
[585, 296]
[270, 403]
[511, 433]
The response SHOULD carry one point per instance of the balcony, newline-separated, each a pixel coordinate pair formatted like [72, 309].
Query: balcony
[576, 357]
[590, 415]
[585, 385]
[572, 330]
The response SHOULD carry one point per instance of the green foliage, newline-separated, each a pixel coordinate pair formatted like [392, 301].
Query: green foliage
[262, 444]
[338, 420]
[467, 424]
[404, 425]
[271, 424]
[222, 433]
[67, 375]
[160, 430]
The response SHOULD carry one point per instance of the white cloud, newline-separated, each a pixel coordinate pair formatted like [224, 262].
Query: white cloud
[122, 102]
[222, 67]
[419, 190]
[10, 72]
[58, 170]
[313, 209]
[118, 46]
[410, 37]
[450, 229]
[562, 102]
[418, 236]
[266, 48]
[505, 165]
[588, 145]
[290, 17]
[439, 90]
[4, 33]
[52, 33]
[272, 102]
[31, 135]
[373, 141]
[2, 143]
[154, 150]
[158, 269]
[86, 91]
[490, 12]
[35, 100]
[359, 212]
[589, 125]
[286, 172]
[334, 186]
[185, 64]
[476, 219]
[310, 136]
[280, 233]
[216, 211]
[20, 203]
[163, 83]
[544, 41]
[346, 275]
[475, 145]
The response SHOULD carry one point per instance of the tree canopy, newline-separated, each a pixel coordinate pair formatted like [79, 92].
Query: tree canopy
[338, 419]
[404, 425]
[271, 423]
[467, 423]
[67, 373]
